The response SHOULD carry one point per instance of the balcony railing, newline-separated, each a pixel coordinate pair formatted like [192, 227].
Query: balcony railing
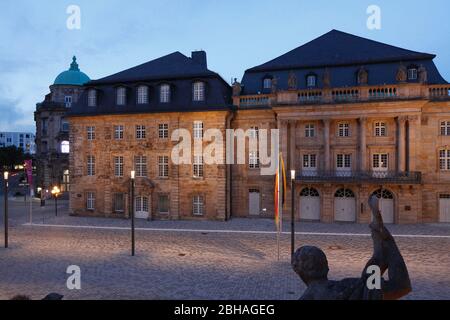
[377, 177]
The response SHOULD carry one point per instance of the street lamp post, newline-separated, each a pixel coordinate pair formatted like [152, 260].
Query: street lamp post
[55, 193]
[5, 180]
[292, 212]
[133, 173]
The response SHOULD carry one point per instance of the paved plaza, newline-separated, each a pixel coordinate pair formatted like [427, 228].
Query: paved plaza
[196, 260]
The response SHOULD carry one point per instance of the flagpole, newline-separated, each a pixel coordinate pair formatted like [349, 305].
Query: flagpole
[279, 201]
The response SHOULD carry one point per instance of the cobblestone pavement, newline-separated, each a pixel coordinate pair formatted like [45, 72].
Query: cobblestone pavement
[196, 265]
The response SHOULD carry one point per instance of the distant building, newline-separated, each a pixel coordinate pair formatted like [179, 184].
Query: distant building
[22, 140]
[52, 128]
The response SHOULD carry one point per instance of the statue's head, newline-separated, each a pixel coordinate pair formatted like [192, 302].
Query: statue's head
[311, 264]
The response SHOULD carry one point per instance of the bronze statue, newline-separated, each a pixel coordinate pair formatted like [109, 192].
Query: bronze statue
[311, 264]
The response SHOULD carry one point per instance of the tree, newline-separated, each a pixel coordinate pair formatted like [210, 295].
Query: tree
[11, 156]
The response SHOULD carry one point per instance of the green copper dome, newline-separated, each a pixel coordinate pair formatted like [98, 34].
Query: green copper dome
[73, 76]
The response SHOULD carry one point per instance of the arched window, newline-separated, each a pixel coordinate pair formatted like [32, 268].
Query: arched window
[92, 98]
[164, 93]
[386, 194]
[65, 147]
[121, 96]
[142, 95]
[344, 193]
[199, 91]
[311, 80]
[309, 192]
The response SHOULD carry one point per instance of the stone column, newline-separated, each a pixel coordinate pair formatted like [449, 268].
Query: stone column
[362, 144]
[326, 140]
[401, 143]
[292, 146]
[412, 140]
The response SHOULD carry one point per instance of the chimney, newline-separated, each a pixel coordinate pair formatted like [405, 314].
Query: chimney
[200, 58]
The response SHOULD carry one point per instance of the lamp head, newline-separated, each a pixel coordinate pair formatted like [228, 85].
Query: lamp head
[292, 174]
[133, 174]
[6, 175]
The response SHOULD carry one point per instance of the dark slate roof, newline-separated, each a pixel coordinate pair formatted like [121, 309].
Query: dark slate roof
[175, 69]
[342, 55]
[174, 65]
[339, 48]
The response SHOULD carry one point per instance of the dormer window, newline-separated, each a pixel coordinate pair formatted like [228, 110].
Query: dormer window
[311, 81]
[267, 83]
[142, 95]
[199, 91]
[92, 98]
[412, 73]
[68, 101]
[121, 96]
[164, 93]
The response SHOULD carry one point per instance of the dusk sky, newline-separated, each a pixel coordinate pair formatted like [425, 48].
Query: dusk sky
[36, 45]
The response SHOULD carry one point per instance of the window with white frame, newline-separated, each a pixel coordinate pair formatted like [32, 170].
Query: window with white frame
[119, 202]
[90, 131]
[198, 130]
[118, 132]
[380, 161]
[90, 201]
[253, 160]
[198, 166]
[163, 131]
[199, 91]
[267, 83]
[343, 161]
[310, 130]
[121, 96]
[445, 128]
[163, 204]
[197, 205]
[311, 80]
[380, 129]
[140, 166]
[90, 166]
[118, 166]
[140, 132]
[163, 166]
[253, 133]
[92, 98]
[444, 159]
[412, 73]
[164, 93]
[68, 101]
[309, 162]
[142, 95]
[344, 130]
[65, 147]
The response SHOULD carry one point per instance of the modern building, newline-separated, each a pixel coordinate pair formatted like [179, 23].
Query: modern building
[356, 117]
[22, 140]
[52, 128]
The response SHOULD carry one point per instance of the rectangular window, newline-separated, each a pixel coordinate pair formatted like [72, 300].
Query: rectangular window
[380, 161]
[118, 166]
[92, 98]
[164, 93]
[140, 132]
[310, 131]
[380, 129]
[44, 126]
[140, 165]
[119, 202]
[121, 96]
[412, 74]
[68, 101]
[253, 160]
[198, 130]
[445, 128]
[267, 83]
[197, 205]
[64, 126]
[309, 161]
[344, 130]
[343, 161]
[163, 204]
[118, 132]
[163, 131]
[444, 159]
[198, 166]
[142, 95]
[90, 166]
[90, 201]
[90, 133]
[199, 91]
[163, 166]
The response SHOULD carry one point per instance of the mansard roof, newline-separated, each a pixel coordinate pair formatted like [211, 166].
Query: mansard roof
[337, 48]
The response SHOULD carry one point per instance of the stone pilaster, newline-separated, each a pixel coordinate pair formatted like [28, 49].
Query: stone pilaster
[326, 140]
[401, 143]
[362, 144]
